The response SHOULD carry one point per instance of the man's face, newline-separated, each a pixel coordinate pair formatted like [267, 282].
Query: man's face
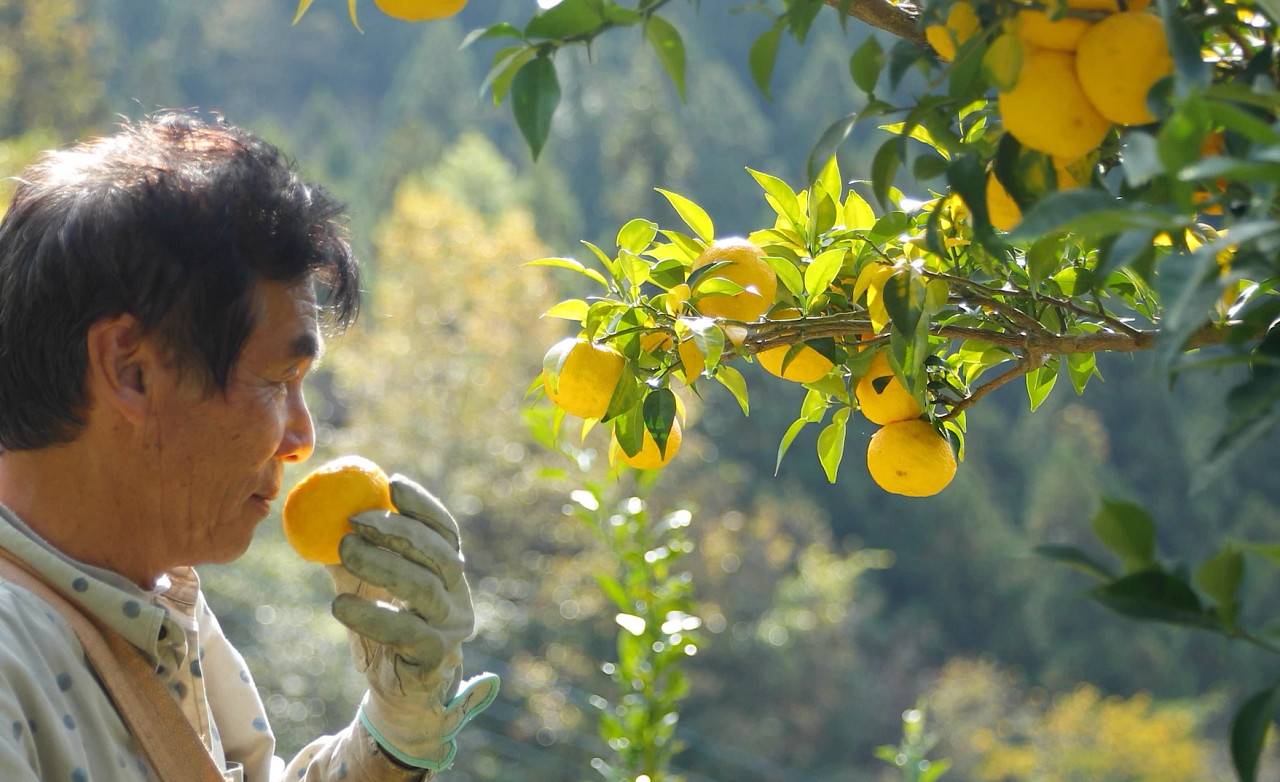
[220, 458]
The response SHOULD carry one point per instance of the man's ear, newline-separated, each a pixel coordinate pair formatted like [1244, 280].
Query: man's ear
[122, 365]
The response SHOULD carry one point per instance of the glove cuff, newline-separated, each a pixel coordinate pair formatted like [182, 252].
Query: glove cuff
[431, 750]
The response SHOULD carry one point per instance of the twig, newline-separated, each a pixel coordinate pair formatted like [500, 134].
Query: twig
[1023, 366]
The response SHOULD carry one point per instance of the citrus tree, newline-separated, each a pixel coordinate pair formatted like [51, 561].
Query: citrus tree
[1056, 181]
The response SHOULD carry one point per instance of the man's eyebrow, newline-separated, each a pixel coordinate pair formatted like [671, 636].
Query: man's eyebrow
[307, 345]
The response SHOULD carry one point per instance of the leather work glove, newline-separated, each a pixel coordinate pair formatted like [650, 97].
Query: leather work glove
[404, 599]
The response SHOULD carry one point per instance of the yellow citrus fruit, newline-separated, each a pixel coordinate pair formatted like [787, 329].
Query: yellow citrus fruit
[939, 37]
[894, 403]
[747, 267]
[1066, 179]
[419, 10]
[655, 341]
[649, 457]
[1036, 28]
[318, 509]
[962, 23]
[1003, 210]
[807, 365]
[910, 458]
[1118, 61]
[587, 378]
[1110, 6]
[1047, 109]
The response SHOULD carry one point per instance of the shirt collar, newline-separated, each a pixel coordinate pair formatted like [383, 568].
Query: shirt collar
[108, 596]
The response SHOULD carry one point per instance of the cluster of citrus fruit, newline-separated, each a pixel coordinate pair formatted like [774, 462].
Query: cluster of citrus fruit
[1078, 70]
[907, 456]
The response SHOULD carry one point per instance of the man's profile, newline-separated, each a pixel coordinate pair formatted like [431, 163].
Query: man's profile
[163, 293]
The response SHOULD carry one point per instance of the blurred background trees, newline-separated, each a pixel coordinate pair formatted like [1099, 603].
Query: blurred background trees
[829, 609]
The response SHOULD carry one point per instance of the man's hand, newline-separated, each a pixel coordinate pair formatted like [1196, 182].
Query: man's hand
[404, 598]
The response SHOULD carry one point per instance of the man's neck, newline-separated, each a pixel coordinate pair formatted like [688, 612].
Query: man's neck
[68, 501]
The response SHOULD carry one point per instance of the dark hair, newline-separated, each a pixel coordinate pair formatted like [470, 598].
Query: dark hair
[173, 220]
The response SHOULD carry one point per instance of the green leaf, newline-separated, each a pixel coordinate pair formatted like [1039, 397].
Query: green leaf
[571, 265]
[1091, 213]
[787, 439]
[666, 42]
[1184, 46]
[800, 16]
[783, 196]
[858, 214]
[626, 398]
[1043, 259]
[1127, 530]
[614, 591]
[567, 19]
[1141, 158]
[787, 273]
[1040, 383]
[1249, 731]
[1219, 577]
[814, 407]
[535, 92]
[499, 30]
[569, 309]
[693, 215]
[905, 294]
[761, 58]
[822, 270]
[733, 380]
[866, 63]
[1155, 596]
[884, 167]
[827, 146]
[831, 444]
[1074, 557]
[506, 64]
[628, 426]
[637, 235]
[1081, 367]
[659, 412]
[708, 338]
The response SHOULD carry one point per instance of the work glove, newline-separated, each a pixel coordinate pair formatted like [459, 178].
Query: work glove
[404, 599]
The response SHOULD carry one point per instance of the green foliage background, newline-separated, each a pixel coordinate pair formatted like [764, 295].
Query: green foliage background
[829, 609]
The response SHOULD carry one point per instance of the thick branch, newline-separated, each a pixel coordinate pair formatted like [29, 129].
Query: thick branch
[786, 332]
[885, 15]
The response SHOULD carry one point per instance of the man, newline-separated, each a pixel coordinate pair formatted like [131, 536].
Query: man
[158, 313]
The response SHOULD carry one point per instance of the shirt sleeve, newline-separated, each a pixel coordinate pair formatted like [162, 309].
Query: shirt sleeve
[351, 755]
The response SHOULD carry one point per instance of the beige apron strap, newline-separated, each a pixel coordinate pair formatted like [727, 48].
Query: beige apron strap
[152, 715]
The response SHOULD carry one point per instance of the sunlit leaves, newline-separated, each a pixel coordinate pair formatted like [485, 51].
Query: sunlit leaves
[693, 215]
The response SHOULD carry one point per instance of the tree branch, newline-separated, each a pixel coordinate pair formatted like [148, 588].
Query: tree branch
[761, 336]
[897, 20]
[1022, 367]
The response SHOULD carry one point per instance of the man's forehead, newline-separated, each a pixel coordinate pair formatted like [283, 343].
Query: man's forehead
[292, 318]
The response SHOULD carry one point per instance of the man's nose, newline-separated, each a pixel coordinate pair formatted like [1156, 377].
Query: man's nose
[299, 439]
